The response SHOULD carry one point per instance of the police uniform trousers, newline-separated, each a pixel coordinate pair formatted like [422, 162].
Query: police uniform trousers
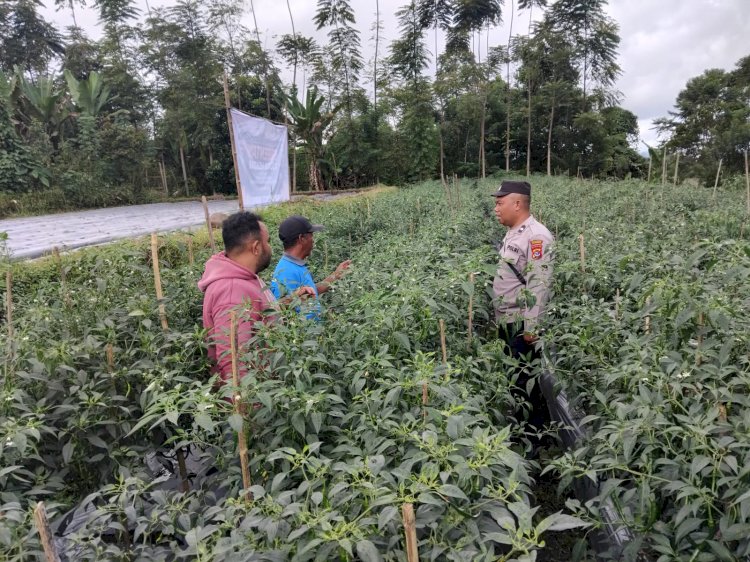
[528, 356]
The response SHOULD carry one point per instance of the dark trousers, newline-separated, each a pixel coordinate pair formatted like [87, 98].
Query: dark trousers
[528, 357]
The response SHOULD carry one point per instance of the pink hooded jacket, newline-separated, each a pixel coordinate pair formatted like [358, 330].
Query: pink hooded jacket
[227, 285]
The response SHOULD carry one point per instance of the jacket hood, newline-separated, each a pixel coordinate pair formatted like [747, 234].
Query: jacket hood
[220, 268]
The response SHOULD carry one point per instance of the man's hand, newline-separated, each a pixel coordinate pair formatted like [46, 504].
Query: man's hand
[341, 269]
[529, 338]
[303, 292]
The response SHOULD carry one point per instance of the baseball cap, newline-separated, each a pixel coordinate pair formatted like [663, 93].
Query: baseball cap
[292, 227]
[508, 187]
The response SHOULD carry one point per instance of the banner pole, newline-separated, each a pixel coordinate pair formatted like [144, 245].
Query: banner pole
[231, 140]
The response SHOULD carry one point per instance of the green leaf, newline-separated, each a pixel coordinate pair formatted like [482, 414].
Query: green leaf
[386, 515]
[560, 522]
[367, 551]
[67, 452]
[204, 421]
[452, 492]
[236, 422]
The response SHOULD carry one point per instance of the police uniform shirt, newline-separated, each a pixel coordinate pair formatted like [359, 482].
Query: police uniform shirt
[529, 249]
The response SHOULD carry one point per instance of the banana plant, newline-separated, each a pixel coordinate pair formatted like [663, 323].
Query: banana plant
[90, 95]
[309, 124]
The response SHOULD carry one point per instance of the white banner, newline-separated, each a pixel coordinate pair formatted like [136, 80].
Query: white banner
[262, 159]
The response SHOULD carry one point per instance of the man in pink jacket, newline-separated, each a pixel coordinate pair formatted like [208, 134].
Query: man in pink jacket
[230, 282]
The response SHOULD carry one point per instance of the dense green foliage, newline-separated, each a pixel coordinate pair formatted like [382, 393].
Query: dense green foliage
[650, 342]
[711, 122]
[411, 113]
[339, 435]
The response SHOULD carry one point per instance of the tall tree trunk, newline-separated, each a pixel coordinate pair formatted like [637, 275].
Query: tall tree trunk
[442, 115]
[549, 138]
[528, 137]
[375, 65]
[184, 170]
[265, 62]
[315, 179]
[482, 158]
[507, 92]
[294, 89]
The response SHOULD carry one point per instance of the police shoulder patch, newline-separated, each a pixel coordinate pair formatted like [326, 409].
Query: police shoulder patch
[537, 249]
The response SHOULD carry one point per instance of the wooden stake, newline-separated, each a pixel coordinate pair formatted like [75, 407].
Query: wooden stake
[110, 358]
[325, 255]
[722, 413]
[9, 304]
[183, 470]
[650, 161]
[617, 303]
[227, 106]
[647, 323]
[191, 257]
[45, 533]
[676, 168]
[208, 225]
[424, 401]
[698, 358]
[442, 342]
[582, 249]
[716, 181]
[157, 281]
[747, 182]
[63, 276]
[410, 532]
[471, 310]
[237, 404]
[664, 167]
[367, 200]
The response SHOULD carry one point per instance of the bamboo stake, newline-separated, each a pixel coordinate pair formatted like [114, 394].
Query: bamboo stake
[227, 106]
[424, 401]
[63, 276]
[419, 207]
[110, 350]
[208, 225]
[191, 256]
[45, 533]
[442, 342]
[471, 310]
[716, 181]
[676, 168]
[617, 303]
[410, 532]
[722, 412]
[747, 182]
[647, 323]
[698, 358]
[237, 404]
[649, 170]
[9, 304]
[582, 249]
[664, 167]
[157, 281]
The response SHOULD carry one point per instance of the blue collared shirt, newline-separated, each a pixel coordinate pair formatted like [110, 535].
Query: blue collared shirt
[291, 274]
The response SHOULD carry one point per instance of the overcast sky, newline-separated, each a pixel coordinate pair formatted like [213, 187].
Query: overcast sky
[663, 42]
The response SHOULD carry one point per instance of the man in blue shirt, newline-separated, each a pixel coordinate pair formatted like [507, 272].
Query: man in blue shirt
[291, 273]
